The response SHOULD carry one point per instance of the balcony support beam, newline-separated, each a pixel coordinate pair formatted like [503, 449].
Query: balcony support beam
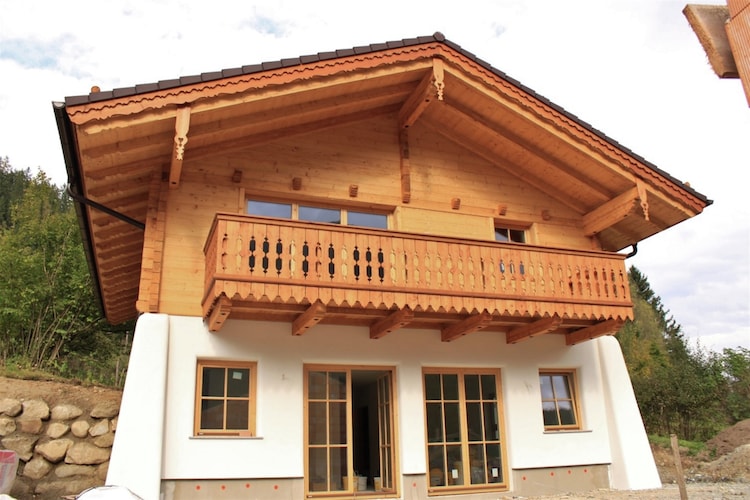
[391, 323]
[538, 327]
[219, 313]
[609, 327]
[465, 327]
[309, 318]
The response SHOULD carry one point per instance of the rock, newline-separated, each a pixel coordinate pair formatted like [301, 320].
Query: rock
[35, 408]
[105, 440]
[66, 412]
[113, 423]
[55, 450]
[107, 409]
[84, 453]
[56, 430]
[67, 470]
[65, 487]
[10, 407]
[37, 468]
[7, 426]
[99, 428]
[101, 471]
[80, 428]
[29, 425]
[22, 445]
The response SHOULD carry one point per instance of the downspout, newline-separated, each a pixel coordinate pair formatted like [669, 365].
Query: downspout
[114, 213]
[632, 252]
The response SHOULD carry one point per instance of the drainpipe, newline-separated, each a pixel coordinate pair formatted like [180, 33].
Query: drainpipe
[114, 213]
[633, 252]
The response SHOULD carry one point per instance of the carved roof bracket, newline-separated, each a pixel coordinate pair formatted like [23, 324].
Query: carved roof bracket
[643, 196]
[429, 89]
[610, 213]
[182, 125]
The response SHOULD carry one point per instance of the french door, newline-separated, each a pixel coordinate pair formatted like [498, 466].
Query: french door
[349, 438]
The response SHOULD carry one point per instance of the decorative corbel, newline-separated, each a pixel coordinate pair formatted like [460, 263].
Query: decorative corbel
[430, 88]
[182, 125]
[642, 196]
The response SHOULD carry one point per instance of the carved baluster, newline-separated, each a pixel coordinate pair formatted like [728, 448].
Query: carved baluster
[356, 263]
[392, 259]
[427, 269]
[449, 270]
[597, 284]
[472, 276]
[292, 258]
[415, 264]
[279, 261]
[381, 268]
[439, 270]
[238, 254]
[223, 245]
[344, 263]
[318, 261]
[331, 265]
[251, 259]
[368, 259]
[405, 270]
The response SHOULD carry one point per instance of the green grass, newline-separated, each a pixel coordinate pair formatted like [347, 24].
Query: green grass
[693, 447]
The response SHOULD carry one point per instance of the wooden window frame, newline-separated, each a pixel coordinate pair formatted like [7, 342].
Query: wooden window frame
[510, 229]
[464, 439]
[572, 383]
[343, 211]
[252, 367]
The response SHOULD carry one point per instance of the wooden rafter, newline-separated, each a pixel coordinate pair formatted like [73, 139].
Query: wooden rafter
[609, 327]
[181, 128]
[538, 327]
[391, 323]
[309, 318]
[611, 212]
[465, 327]
[219, 313]
[430, 88]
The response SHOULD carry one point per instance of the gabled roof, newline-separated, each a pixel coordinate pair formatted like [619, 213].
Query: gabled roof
[116, 142]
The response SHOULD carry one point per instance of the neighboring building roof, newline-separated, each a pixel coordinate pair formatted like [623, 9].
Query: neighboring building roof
[115, 141]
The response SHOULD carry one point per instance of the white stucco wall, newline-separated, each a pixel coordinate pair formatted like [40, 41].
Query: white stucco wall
[277, 451]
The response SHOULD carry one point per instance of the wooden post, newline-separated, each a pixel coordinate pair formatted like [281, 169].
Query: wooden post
[678, 465]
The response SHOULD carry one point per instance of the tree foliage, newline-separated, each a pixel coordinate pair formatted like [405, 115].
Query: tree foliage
[49, 318]
[680, 388]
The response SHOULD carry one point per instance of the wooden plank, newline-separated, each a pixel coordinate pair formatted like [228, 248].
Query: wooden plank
[609, 327]
[538, 327]
[219, 313]
[465, 327]
[395, 321]
[309, 318]
[610, 213]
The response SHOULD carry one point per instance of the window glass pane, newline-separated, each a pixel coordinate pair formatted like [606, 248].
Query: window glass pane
[517, 236]
[317, 214]
[450, 387]
[477, 464]
[337, 423]
[339, 469]
[317, 432]
[316, 385]
[269, 209]
[561, 386]
[452, 424]
[435, 423]
[432, 386]
[238, 385]
[567, 415]
[501, 234]
[550, 413]
[337, 385]
[455, 465]
[489, 391]
[474, 421]
[437, 465]
[212, 414]
[213, 382]
[545, 381]
[491, 427]
[494, 464]
[237, 412]
[318, 458]
[471, 386]
[362, 219]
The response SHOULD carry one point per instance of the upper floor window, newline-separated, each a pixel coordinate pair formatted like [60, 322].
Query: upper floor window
[297, 211]
[509, 234]
[225, 399]
[559, 404]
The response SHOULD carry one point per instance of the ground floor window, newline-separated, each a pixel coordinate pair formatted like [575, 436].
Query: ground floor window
[225, 399]
[349, 431]
[465, 446]
[559, 403]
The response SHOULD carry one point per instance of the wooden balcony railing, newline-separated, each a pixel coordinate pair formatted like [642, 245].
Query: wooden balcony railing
[251, 259]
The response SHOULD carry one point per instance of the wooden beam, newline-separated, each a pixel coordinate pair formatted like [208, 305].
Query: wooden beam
[538, 327]
[709, 22]
[393, 322]
[309, 318]
[403, 139]
[609, 327]
[219, 313]
[430, 88]
[181, 128]
[465, 327]
[610, 213]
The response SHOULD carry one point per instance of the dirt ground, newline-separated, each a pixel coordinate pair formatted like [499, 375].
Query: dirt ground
[722, 472]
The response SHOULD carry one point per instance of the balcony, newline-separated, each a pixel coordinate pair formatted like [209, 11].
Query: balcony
[305, 273]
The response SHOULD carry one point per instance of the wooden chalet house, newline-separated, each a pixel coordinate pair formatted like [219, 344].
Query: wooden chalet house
[384, 272]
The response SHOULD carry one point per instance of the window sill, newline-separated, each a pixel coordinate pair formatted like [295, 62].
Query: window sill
[568, 431]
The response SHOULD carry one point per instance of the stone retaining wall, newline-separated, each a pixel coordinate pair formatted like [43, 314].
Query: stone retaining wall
[63, 450]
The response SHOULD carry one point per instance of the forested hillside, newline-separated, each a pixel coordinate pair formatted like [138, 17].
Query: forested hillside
[50, 322]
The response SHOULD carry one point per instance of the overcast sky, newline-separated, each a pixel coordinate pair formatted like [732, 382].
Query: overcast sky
[632, 69]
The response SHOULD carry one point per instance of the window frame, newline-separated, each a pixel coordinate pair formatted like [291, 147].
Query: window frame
[252, 367]
[571, 378]
[465, 442]
[510, 229]
[343, 212]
